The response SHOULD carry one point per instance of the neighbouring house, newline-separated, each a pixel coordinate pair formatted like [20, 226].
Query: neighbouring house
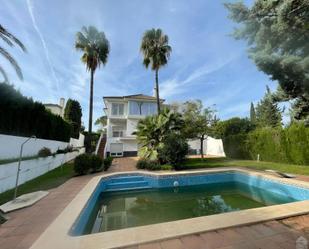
[123, 114]
[57, 109]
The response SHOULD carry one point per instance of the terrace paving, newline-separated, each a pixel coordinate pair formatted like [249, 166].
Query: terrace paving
[26, 225]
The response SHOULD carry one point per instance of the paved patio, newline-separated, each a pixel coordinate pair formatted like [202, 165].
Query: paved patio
[26, 225]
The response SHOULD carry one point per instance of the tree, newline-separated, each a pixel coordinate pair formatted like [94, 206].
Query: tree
[233, 126]
[153, 130]
[101, 122]
[95, 48]
[198, 121]
[267, 111]
[252, 114]
[156, 52]
[278, 33]
[10, 40]
[73, 115]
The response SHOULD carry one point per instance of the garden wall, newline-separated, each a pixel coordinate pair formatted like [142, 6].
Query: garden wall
[31, 169]
[10, 145]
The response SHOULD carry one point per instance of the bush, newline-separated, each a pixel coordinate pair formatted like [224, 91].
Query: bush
[147, 164]
[141, 163]
[82, 164]
[107, 162]
[44, 152]
[21, 116]
[174, 150]
[96, 163]
[91, 141]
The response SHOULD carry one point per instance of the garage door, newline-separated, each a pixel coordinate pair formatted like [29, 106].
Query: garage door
[116, 149]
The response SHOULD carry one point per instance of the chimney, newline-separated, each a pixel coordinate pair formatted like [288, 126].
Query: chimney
[61, 103]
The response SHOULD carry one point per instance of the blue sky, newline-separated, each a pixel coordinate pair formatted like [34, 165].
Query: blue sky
[206, 62]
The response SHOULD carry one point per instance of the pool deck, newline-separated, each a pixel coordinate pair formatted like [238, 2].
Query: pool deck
[26, 225]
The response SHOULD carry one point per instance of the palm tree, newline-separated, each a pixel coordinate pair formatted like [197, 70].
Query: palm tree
[10, 40]
[95, 48]
[153, 130]
[156, 52]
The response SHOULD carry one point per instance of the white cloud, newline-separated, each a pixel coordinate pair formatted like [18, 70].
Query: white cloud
[35, 26]
[174, 86]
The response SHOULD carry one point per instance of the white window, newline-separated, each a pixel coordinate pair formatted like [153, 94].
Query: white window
[118, 131]
[117, 109]
[116, 149]
[142, 108]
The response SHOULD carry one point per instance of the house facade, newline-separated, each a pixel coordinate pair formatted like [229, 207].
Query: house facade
[123, 114]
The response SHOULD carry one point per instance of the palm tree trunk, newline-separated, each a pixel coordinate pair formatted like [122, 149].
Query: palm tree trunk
[91, 101]
[157, 91]
[202, 147]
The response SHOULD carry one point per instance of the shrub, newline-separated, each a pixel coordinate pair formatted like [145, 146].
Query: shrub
[107, 162]
[148, 164]
[96, 163]
[90, 141]
[153, 165]
[82, 164]
[44, 152]
[141, 163]
[174, 150]
[68, 149]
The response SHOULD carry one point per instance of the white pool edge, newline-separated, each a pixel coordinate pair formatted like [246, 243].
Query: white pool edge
[57, 234]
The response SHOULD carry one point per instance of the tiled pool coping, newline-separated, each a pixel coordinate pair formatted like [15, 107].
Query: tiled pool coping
[57, 234]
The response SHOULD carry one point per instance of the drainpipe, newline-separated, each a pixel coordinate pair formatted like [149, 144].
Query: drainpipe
[19, 162]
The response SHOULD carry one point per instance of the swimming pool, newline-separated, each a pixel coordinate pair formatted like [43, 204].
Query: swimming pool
[67, 231]
[139, 199]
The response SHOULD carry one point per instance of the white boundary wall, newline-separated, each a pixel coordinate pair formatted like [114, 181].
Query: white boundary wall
[32, 168]
[211, 146]
[10, 145]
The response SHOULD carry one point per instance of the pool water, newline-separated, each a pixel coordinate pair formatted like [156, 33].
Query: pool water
[123, 209]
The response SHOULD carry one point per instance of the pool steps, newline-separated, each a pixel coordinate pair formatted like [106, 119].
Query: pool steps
[127, 183]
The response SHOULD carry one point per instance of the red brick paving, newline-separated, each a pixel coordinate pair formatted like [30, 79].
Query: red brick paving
[26, 225]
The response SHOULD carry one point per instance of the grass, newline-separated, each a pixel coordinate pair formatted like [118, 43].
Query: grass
[51, 179]
[197, 163]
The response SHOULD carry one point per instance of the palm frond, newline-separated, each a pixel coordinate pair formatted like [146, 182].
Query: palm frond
[94, 45]
[10, 36]
[4, 75]
[13, 62]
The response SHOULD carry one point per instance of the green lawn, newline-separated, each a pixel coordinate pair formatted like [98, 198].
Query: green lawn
[196, 163]
[49, 180]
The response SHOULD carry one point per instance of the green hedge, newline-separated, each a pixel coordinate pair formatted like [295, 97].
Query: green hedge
[286, 145]
[21, 116]
[235, 146]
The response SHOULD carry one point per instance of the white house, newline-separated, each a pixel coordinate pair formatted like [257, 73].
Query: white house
[123, 114]
[57, 109]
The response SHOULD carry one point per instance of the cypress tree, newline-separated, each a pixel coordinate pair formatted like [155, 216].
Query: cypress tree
[252, 114]
[73, 115]
[267, 111]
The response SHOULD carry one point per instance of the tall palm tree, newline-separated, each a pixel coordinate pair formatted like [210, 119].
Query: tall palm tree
[10, 40]
[95, 48]
[156, 53]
